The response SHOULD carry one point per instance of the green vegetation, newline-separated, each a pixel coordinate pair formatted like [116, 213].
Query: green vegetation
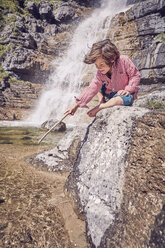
[3, 74]
[154, 104]
[38, 1]
[9, 7]
[14, 80]
[5, 48]
[2, 49]
[162, 36]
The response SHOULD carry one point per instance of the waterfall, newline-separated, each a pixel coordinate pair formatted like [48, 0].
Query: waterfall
[65, 82]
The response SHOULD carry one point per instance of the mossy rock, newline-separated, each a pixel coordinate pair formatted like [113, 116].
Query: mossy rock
[154, 104]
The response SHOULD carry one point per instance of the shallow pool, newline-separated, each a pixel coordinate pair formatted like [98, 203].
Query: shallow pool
[28, 136]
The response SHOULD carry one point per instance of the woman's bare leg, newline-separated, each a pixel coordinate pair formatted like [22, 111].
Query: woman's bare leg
[112, 102]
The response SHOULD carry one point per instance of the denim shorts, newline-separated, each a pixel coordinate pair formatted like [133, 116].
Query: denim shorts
[127, 100]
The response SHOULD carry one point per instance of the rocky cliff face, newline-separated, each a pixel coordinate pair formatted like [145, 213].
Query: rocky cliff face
[33, 34]
[140, 33]
[16, 97]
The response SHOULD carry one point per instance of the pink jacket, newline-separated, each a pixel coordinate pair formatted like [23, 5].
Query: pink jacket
[125, 76]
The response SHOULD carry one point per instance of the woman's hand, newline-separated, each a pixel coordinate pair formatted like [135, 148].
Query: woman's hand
[123, 92]
[72, 109]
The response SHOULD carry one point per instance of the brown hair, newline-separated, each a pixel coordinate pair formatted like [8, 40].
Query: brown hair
[105, 49]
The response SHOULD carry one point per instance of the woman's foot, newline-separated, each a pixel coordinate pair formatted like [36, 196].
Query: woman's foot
[93, 112]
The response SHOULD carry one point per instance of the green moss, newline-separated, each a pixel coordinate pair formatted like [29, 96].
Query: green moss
[14, 80]
[154, 104]
[5, 48]
[10, 19]
[162, 36]
[9, 7]
[16, 32]
[3, 74]
[38, 1]
[2, 70]
[2, 49]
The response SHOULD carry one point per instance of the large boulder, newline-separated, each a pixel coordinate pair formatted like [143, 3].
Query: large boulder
[45, 11]
[64, 13]
[62, 157]
[61, 127]
[32, 8]
[117, 168]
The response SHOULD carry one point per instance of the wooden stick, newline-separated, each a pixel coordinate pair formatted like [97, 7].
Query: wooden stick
[52, 128]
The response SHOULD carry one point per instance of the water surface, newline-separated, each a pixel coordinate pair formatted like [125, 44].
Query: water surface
[34, 210]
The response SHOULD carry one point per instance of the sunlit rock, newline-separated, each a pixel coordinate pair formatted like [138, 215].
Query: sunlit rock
[61, 127]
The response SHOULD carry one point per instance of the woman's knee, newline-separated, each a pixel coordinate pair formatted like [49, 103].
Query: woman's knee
[119, 100]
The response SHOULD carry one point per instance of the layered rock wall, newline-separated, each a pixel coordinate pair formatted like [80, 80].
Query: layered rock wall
[140, 34]
[33, 37]
[16, 97]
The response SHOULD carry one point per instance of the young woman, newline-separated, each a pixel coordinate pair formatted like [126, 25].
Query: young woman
[116, 81]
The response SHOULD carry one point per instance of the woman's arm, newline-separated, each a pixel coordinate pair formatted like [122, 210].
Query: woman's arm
[89, 92]
[134, 76]
[72, 109]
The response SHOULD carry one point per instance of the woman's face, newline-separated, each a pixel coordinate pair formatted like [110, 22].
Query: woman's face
[102, 66]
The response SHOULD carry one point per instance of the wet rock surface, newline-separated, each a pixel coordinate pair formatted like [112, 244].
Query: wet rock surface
[61, 127]
[62, 157]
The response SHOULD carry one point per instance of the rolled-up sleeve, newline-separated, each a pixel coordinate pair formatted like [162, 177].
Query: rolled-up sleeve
[133, 75]
[89, 92]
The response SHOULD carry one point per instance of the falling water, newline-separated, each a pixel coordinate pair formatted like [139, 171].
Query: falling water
[65, 81]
